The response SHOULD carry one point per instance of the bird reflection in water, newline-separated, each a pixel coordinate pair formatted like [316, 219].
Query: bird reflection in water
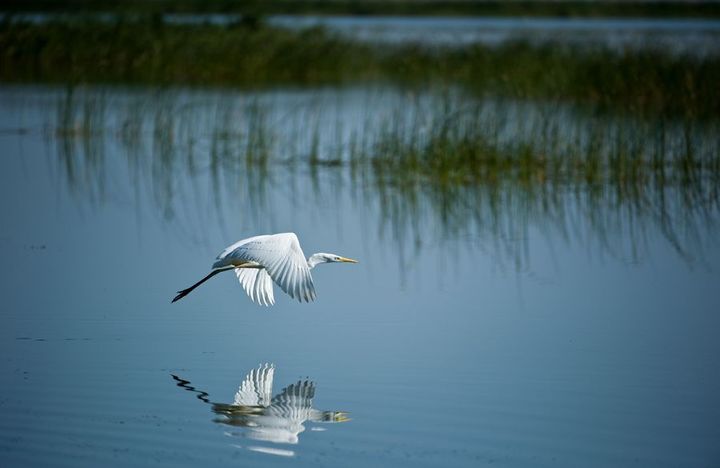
[277, 419]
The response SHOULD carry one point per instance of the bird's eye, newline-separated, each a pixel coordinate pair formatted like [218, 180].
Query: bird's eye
[337, 258]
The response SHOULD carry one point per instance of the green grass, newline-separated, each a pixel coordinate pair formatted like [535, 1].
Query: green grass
[633, 81]
[156, 53]
[254, 56]
[619, 179]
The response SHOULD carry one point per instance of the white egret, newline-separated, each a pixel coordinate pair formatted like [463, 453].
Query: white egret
[260, 260]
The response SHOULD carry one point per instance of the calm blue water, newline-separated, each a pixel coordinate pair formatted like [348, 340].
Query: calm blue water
[567, 338]
[679, 34]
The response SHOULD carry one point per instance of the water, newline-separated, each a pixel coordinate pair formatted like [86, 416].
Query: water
[682, 35]
[482, 325]
[695, 36]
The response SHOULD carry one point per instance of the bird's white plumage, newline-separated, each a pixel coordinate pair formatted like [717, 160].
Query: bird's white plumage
[257, 284]
[256, 389]
[281, 256]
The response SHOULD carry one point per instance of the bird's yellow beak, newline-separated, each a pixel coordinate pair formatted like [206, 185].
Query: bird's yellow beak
[348, 260]
[342, 416]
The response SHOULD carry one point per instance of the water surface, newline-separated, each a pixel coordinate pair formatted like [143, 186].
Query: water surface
[676, 34]
[486, 324]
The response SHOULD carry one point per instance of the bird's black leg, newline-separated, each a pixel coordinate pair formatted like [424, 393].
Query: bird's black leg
[187, 291]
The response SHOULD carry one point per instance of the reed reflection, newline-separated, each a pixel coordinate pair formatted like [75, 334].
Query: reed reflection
[256, 414]
[426, 168]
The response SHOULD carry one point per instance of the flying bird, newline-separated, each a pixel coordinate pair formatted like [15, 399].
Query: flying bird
[261, 260]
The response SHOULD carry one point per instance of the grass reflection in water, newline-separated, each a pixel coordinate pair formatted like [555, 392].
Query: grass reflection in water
[449, 167]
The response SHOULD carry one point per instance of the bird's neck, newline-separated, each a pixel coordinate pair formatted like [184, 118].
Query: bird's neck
[314, 259]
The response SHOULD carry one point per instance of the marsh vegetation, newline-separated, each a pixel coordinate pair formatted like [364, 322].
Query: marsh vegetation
[156, 52]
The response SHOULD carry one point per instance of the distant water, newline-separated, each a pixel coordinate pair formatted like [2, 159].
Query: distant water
[504, 325]
[679, 34]
[693, 35]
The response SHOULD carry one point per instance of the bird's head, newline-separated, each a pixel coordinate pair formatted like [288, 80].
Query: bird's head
[321, 257]
[334, 416]
[334, 258]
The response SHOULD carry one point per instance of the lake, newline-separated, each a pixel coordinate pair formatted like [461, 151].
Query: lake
[501, 320]
[680, 35]
[695, 36]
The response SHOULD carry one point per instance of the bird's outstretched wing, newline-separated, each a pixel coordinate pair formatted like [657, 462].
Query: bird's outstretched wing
[257, 284]
[256, 389]
[294, 402]
[281, 256]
